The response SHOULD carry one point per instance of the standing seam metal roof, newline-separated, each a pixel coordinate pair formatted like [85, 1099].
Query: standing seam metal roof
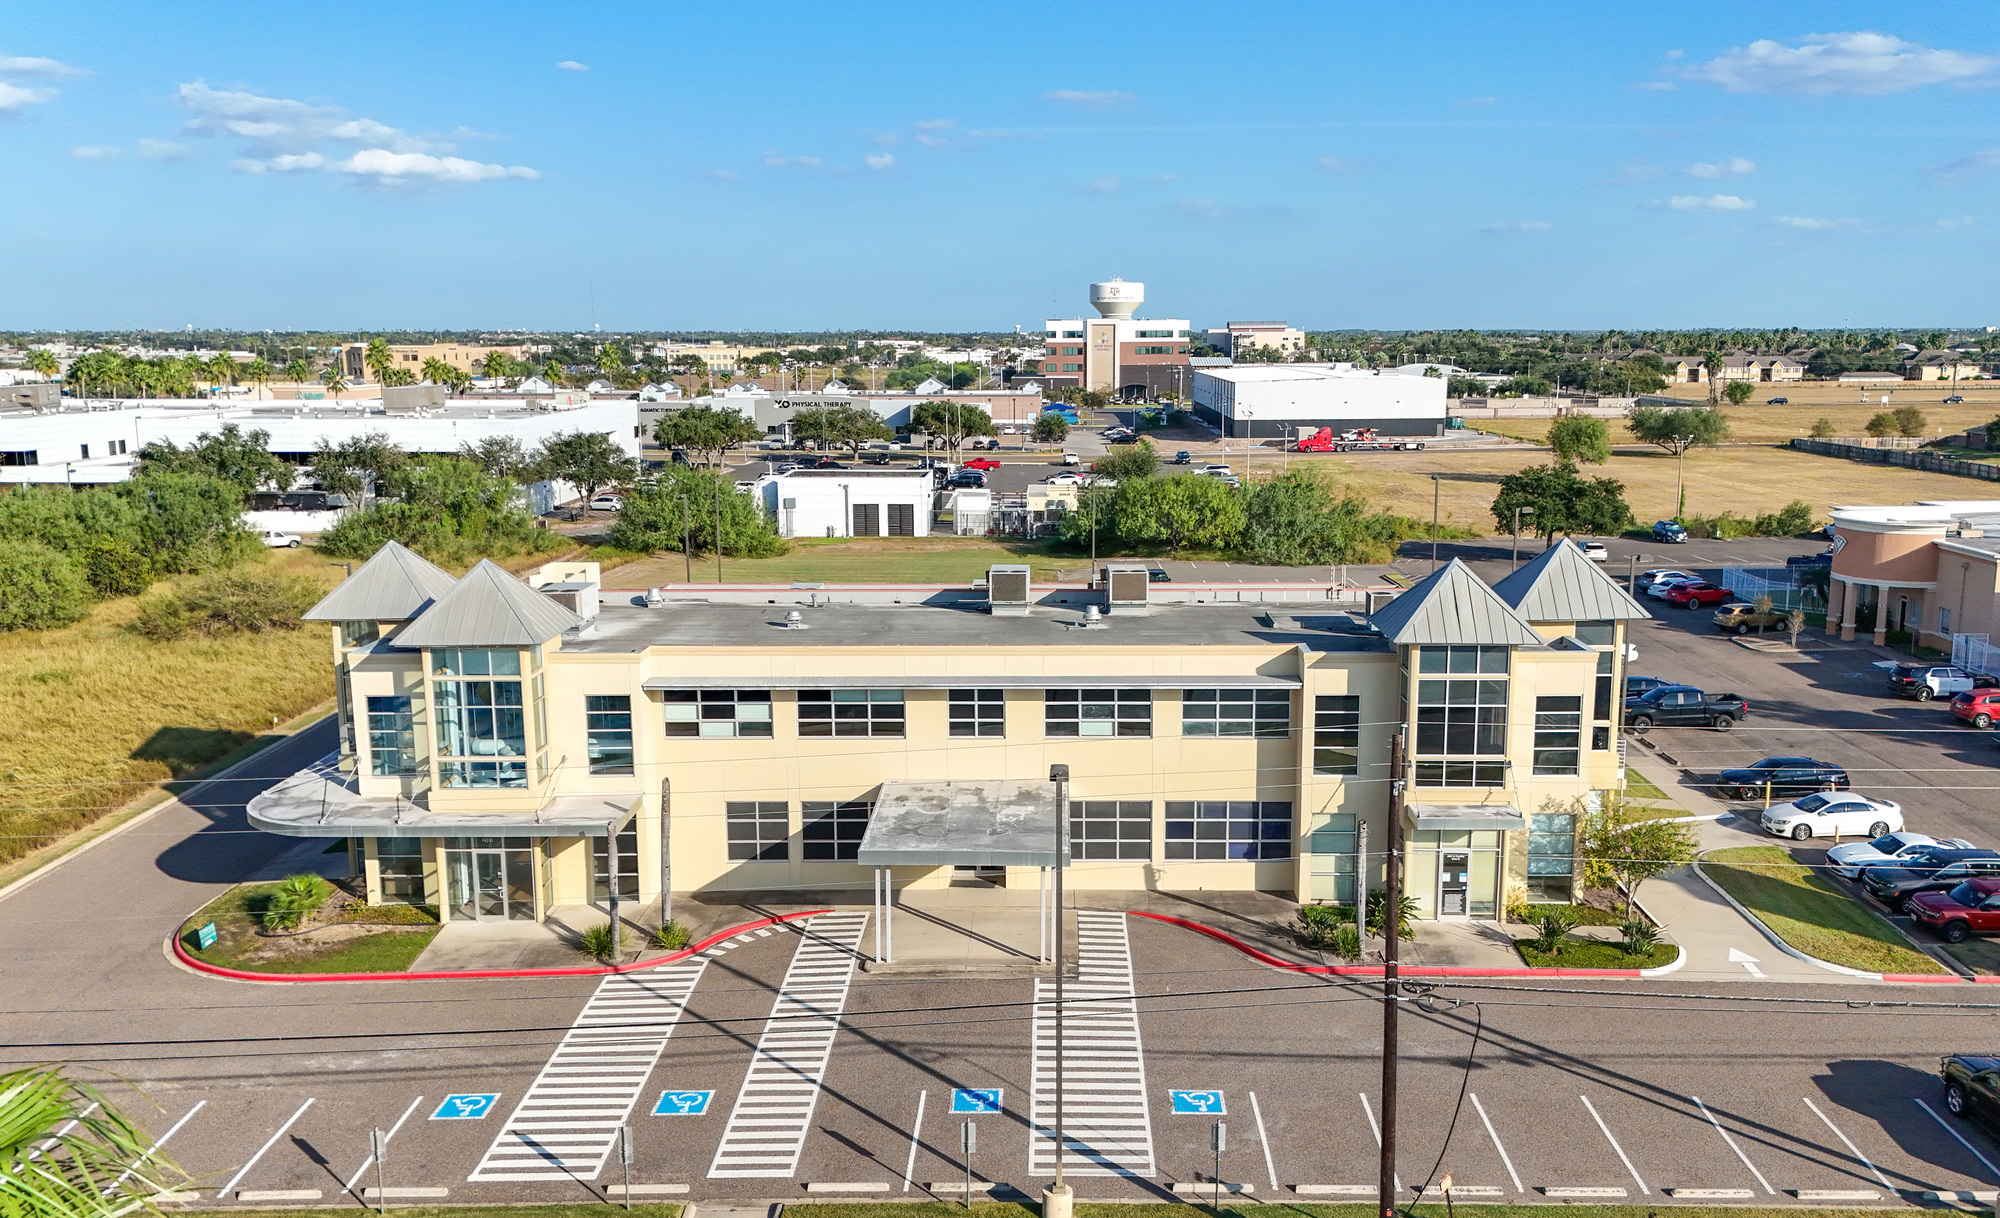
[1563, 585]
[488, 608]
[1453, 606]
[393, 586]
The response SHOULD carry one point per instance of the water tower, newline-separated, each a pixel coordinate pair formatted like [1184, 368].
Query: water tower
[1117, 298]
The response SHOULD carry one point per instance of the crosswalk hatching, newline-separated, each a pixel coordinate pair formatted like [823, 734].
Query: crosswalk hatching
[1107, 1126]
[767, 1128]
[567, 1124]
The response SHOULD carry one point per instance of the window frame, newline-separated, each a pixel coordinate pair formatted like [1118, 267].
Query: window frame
[1111, 830]
[759, 816]
[830, 830]
[601, 729]
[378, 729]
[1257, 725]
[698, 701]
[1558, 741]
[983, 709]
[1337, 734]
[1245, 830]
[872, 725]
[1079, 698]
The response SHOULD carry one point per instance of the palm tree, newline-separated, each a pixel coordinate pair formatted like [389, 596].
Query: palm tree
[332, 378]
[44, 363]
[298, 372]
[1712, 363]
[379, 359]
[97, 1166]
[436, 371]
[258, 373]
[498, 364]
[222, 370]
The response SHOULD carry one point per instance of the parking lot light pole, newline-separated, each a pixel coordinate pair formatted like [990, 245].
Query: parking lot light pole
[1059, 1201]
[1515, 555]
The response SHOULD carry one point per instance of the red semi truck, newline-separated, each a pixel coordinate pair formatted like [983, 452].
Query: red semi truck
[1364, 439]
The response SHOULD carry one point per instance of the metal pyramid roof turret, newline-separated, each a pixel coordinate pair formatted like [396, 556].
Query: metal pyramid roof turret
[1563, 585]
[1452, 606]
[394, 586]
[488, 608]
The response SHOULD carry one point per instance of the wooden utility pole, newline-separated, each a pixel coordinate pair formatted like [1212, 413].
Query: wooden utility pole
[1392, 910]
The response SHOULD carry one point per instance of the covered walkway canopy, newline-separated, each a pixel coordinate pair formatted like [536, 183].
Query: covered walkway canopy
[961, 824]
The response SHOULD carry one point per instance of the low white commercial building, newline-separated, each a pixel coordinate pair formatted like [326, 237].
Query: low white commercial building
[97, 441]
[1272, 400]
[848, 502]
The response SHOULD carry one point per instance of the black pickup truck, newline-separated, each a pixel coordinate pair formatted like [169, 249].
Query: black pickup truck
[1683, 706]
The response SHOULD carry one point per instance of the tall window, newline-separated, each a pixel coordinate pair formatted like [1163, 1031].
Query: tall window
[1236, 712]
[1338, 839]
[400, 862]
[977, 712]
[851, 712]
[1558, 734]
[1461, 717]
[717, 712]
[1337, 734]
[607, 725]
[1111, 829]
[1551, 843]
[392, 736]
[832, 831]
[480, 718]
[1601, 704]
[1098, 712]
[1228, 829]
[757, 831]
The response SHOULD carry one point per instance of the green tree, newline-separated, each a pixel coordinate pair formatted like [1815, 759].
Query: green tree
[1519, 386]
[613, 359]
[43, 362]
[497, 364]
[447, 509]
[1464, 387]
[707, 431]
[1711, 363]
[1297, 519]
[40, 588]
[223, 370]
[1823, 428]
[298, 371]
[1563, 501]
[113, 568]
[1705, 426]
[1182, 510]
[1909, 421]
[1051, 428]
[241, 458]
[355, 465]
[1577, 437]
[436, 371]
[1883, 424]
[587, 460]
[331, 377]
[379, 359]
[842, 426]
[1625, 844]
[951, 422]
[188, 522]
[680, 502]
[500, 456]
[66, 1152]
[1130, 462]
[1739, 392]
[399, 376]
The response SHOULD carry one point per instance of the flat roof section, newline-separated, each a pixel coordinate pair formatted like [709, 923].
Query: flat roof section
[962, 824]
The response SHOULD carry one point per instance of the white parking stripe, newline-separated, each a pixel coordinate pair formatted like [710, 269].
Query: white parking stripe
[155, 1148]
[1614, 1144]
[1961, 1137]
[1855, 1150]
[1733, 1146]
[1511, 1173]
[1264, 1140]
[1107, 1121]
[916, 1135]
[59, 1134]
[1375, 1128]
[270, 1142]
[767, 1128]
[370, 1160]
[568, 1121]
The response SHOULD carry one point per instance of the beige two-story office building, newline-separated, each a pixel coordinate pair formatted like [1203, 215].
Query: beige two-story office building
[502, 743]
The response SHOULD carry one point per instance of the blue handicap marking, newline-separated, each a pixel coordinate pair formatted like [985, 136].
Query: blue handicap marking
[683, 1103]
[465, 1107]
[1198, 1102]
[986, 1100]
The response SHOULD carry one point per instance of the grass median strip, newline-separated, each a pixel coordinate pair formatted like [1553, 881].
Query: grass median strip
[353, 945]
[1276, 1207]
[1596, 953]
[1809, 913]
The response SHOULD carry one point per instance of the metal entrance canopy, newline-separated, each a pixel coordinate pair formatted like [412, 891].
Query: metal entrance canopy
[1455, 817]
[962, 824]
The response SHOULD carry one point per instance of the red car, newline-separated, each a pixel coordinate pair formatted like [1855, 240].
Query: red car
[981, 463]
[1979, 707]
[1697, 594]
[1972, 908]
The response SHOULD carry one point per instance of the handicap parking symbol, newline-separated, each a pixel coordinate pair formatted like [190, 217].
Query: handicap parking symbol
[465, 1107]
[987, 1100]
[1199, 1103]
[683, 1103]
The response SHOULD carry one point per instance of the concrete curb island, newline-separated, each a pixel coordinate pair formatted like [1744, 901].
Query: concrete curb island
[1778, 942]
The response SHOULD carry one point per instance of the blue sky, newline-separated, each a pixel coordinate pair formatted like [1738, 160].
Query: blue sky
[936, 166]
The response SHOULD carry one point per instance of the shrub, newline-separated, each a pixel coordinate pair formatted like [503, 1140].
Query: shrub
[296, 897]
[672, 937]
[1823, 428]
[1554, 922]
[1909, 421]
[39, 588]
[1346, 942]
[227, 602]
[596, 942]
[1378, 915]
[1883, 424]
[1738, 392]
[1641, 936]
[113, 568]
[1317, 925]
[1794, 518]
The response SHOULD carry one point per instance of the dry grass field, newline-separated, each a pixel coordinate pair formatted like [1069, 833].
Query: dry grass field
[1759, 424]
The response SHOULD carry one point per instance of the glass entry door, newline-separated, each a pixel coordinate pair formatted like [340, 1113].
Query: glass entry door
[490, 879]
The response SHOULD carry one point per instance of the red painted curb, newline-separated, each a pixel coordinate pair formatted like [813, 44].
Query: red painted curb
[594, 970]
[1376, 970]
[1930, 977]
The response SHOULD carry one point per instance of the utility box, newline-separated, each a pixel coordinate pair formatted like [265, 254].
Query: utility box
[409, 399]
[1125, 586]
[1009, 592]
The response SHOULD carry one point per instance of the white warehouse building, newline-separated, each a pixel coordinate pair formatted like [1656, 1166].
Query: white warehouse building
[1282, 399]
[848, 502]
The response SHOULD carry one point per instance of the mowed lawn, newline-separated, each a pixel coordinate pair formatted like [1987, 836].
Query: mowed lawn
[1810, 913]
[883, 560]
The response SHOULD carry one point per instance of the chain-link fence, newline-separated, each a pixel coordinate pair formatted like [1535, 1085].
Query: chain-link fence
[1779, 583]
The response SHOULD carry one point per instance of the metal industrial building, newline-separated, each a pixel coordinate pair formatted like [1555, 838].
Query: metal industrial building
[1283, 399]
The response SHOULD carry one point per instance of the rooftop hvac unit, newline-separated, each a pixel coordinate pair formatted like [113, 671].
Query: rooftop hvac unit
[1125, 586]
[1007, 590]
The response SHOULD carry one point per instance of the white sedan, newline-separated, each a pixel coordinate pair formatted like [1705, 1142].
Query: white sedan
[1595, 551]
[1667, 583]
[1833, 814]
[1661, 573]
[606, 503]
[1848, 860]
[1065, 478]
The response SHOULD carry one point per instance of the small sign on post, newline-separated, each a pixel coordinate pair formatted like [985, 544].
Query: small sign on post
[625, 1160]
[1218, 1139]
[205, 937]
[379, 1143]
[968, 1141]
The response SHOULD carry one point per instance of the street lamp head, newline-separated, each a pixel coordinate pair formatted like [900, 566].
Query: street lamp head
[1058, 773]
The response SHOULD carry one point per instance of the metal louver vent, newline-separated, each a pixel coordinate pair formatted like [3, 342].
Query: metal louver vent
[1128, 587]
[1007, 589]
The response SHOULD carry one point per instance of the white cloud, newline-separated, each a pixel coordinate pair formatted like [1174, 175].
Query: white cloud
[1814, 224]
[1734, 167]
[14, 98]
[1201, 209]
[1109, 99]
[793, 162]
[1519, 226]
[1476, 101]
[1655, 86]
[390, 167]
[1160, 179]
[1338, 164]
[96, 153]
[880, 160]
[1855, 62]
[1711, 203]
[1952, 224]
[571, 65]
[287, 163]
[1108, 184]
[36, 65]
[161, 150]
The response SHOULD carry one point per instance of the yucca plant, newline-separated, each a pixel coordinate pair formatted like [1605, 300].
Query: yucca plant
[63, 1150]
[1555, 922]
[295, 897]
[672, 937]
[1641, 936]
[1315, 925]
[1345, 942]
[596, 941]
